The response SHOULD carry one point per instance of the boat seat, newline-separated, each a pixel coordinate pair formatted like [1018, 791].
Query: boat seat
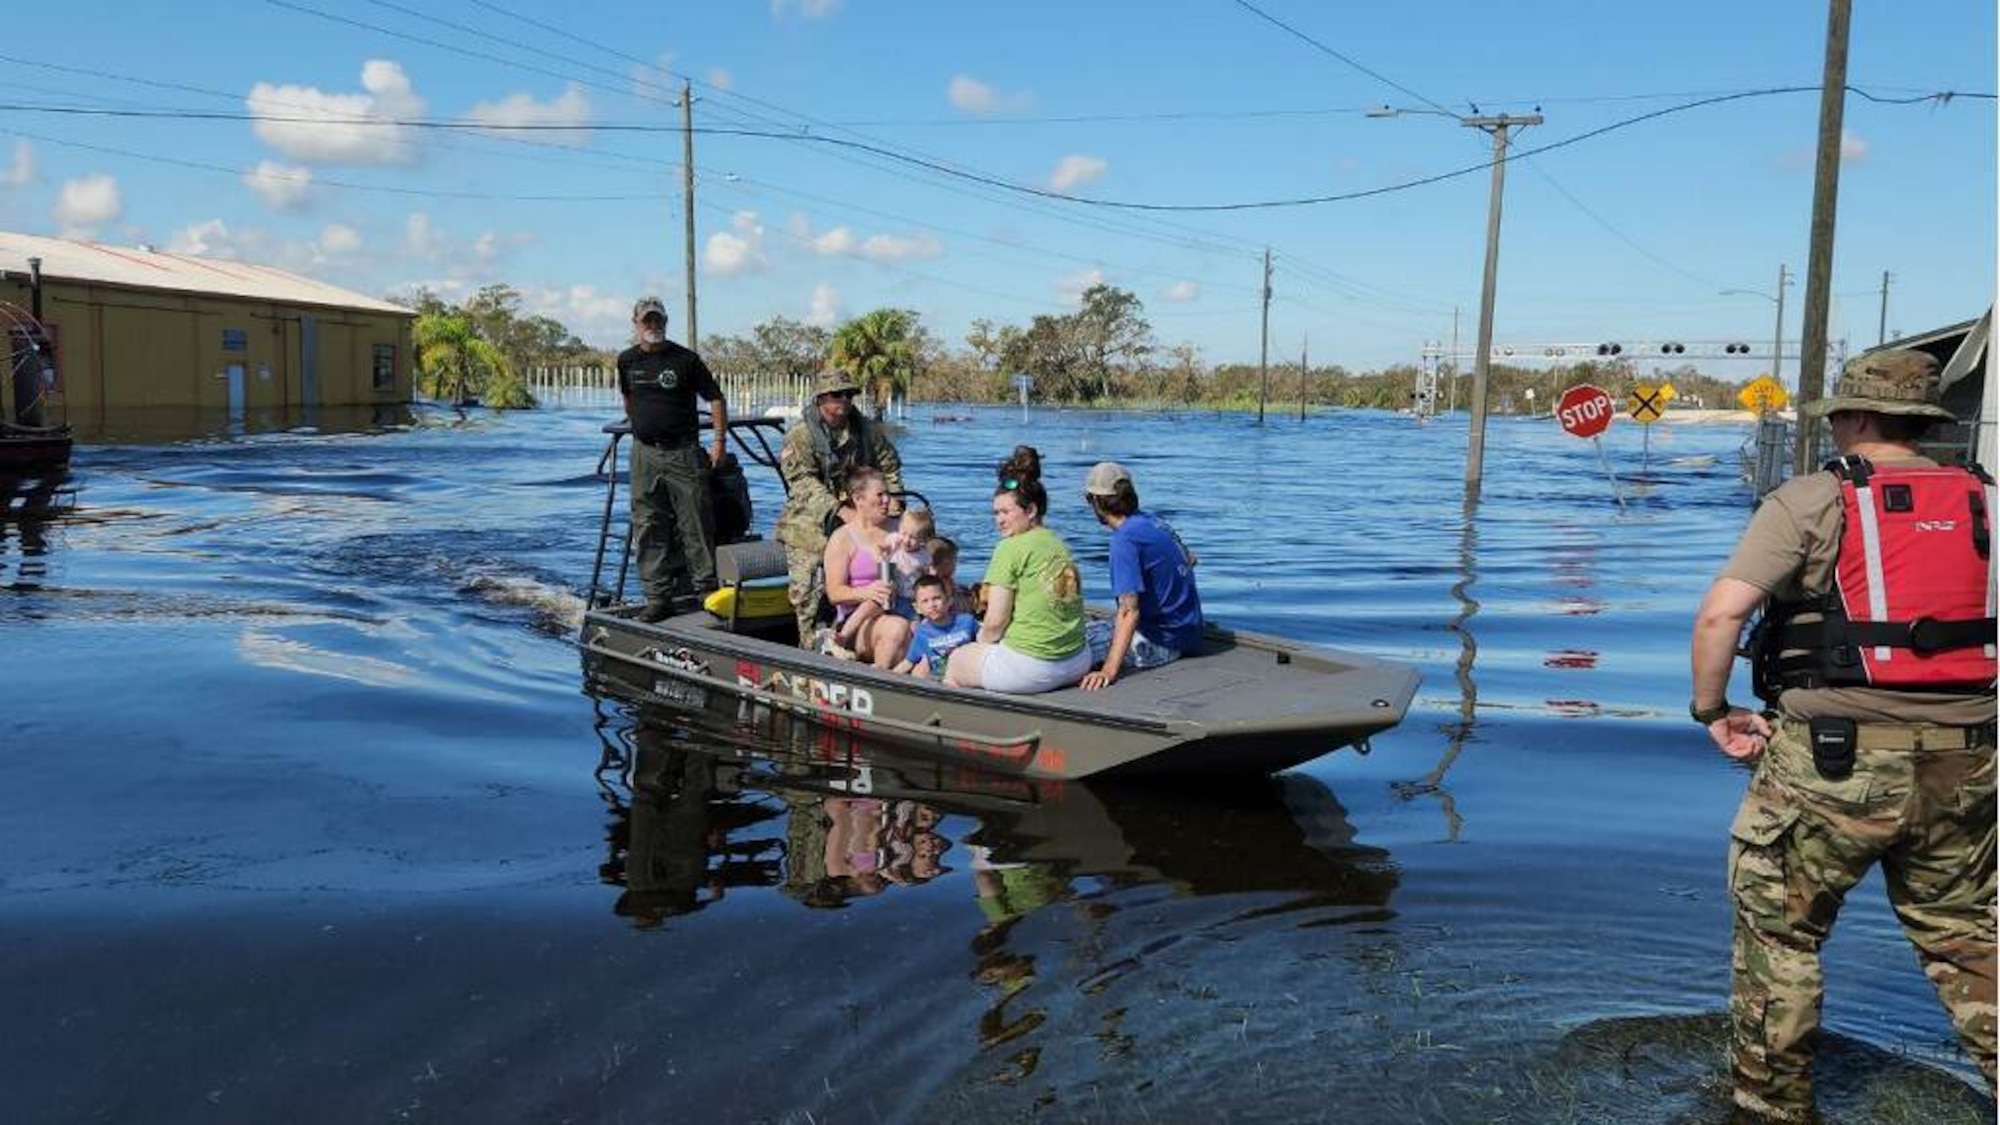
[753, 582]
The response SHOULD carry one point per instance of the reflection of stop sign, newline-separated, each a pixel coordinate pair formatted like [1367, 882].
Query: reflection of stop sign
[1585, 410]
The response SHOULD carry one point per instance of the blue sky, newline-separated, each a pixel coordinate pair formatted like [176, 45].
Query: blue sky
[1629, 236]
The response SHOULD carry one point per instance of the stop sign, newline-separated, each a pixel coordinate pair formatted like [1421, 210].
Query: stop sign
[1585, 410]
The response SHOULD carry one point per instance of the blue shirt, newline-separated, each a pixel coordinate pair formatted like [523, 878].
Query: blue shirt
[1147, 559]
[933, 643]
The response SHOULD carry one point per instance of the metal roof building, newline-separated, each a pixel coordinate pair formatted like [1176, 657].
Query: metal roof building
[136, 327]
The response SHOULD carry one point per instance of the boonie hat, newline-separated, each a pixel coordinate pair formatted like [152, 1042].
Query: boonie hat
[832, 382]
[1105, 477]
[1891, 381]
[646, 305]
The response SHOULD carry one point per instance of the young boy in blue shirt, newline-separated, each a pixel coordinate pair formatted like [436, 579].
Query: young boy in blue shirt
[939, 629]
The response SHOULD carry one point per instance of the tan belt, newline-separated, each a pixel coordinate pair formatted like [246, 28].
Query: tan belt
[1913, 736]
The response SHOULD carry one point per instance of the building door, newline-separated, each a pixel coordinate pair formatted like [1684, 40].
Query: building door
[236, 391]
[308, 362]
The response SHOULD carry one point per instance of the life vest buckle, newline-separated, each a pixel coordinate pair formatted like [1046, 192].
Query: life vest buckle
[1928, 635]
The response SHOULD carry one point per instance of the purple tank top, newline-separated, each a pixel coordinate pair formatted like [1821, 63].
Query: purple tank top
[862, 569]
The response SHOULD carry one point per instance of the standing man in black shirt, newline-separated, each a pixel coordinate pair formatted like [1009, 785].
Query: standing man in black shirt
[670, 500]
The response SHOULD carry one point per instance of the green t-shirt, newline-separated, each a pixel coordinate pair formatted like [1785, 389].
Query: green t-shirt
[1048, 594]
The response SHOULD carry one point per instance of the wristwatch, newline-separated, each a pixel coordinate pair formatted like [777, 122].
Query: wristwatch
[1707, 715]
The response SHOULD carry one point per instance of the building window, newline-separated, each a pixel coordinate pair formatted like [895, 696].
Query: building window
[385, 367]
[235, 340]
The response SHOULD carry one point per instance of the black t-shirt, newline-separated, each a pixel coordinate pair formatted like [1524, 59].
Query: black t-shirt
[660, 388]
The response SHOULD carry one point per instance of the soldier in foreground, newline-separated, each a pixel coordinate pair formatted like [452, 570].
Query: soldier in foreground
[830, 440]
[1876, 655]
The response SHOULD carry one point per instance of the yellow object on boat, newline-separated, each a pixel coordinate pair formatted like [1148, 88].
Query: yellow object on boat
[757, 601]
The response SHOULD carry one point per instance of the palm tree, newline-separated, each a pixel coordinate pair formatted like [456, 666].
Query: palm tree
[877, 351]
[456, 363]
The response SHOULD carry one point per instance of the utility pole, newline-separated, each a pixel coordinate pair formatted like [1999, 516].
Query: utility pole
[687, 188]
[1305, 342]
[1819, 267]
[1264, 346]
[1778, 337]
[1882, 326]
[1452, 393]
[1475, 449]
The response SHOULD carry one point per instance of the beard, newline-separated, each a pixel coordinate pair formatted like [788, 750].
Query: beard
[652, 337]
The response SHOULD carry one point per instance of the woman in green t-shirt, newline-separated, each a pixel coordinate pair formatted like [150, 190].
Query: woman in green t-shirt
[1032, 637]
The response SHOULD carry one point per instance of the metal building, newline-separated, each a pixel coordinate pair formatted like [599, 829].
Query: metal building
[136, 327]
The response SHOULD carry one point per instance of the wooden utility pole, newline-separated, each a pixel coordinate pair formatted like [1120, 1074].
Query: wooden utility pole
[1475, 447]
[1819, 267]
[687, 188]
[1264, 344]
[1305, 344]
[1882, 325]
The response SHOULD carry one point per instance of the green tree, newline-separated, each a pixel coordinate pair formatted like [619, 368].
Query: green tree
[454, 362]
[1112, 338]
[878, 351]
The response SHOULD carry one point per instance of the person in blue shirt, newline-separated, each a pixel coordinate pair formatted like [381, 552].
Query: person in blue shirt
[940, 629]
[1152, 576]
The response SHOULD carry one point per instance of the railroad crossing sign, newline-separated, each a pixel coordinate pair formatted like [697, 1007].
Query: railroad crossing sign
[1584, 410]
[1649, 402]
[1764, 394]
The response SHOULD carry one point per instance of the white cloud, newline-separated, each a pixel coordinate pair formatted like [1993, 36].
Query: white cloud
[739, 250]
[893, 248]
[1076, 171]
[214, 239]
[827, 307]
[321, 139]
[20, 170]
[282, 187]
[721, 79]
[86, 204]
[338, 240]
[424, 242]
[593, 315]
[1070, 286]
[806, 9]
[969, 95]
[838, 242]
[571, 107]
[1853, 150]
[1181, 292]
[841, 242]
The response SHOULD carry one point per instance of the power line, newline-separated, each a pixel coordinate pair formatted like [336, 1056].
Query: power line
[1378, 76]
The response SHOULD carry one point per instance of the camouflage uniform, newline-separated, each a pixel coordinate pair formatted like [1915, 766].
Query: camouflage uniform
[811, 499]
[1919, 801]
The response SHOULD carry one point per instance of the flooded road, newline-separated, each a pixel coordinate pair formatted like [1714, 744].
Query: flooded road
[304, 814]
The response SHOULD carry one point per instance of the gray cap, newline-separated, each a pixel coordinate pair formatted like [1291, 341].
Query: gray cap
[1105, 477]
[646, 305]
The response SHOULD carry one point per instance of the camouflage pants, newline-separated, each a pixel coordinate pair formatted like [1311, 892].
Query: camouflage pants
[1801, 841]
[806, 590]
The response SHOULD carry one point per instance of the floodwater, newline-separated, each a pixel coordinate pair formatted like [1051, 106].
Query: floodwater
[305, 816]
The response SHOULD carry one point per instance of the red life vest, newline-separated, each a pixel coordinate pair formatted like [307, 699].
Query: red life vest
[1913, 601]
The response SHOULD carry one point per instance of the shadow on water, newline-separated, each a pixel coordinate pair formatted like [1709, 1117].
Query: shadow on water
[30, 504]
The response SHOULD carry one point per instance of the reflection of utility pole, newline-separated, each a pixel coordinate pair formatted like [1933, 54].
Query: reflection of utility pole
[1456, 734]
[1882, 326]
[687, 187]
[1819, 267]
[1264, 344]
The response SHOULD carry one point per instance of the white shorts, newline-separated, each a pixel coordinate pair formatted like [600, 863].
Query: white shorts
[1015, 673]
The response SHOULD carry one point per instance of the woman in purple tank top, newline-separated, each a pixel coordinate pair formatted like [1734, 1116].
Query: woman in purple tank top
[858, 584]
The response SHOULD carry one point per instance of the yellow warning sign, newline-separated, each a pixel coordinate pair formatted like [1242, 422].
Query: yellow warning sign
[1648, 403]
[1668, 393]
[1764, 394]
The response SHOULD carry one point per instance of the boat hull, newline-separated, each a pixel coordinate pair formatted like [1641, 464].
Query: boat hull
[1198, 716]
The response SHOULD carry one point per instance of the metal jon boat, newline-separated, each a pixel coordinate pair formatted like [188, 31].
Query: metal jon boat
[1250, 704]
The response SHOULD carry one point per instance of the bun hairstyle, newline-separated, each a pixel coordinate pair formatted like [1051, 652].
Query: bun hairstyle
[1021, 474]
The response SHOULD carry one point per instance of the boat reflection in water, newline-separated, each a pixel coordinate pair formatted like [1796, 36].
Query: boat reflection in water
[29, 504]
[827, 820]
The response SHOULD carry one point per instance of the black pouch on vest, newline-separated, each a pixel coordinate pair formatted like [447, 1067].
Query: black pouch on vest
[1832, 746]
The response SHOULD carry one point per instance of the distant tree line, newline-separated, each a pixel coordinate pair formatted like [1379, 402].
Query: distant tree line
[1102, 354]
